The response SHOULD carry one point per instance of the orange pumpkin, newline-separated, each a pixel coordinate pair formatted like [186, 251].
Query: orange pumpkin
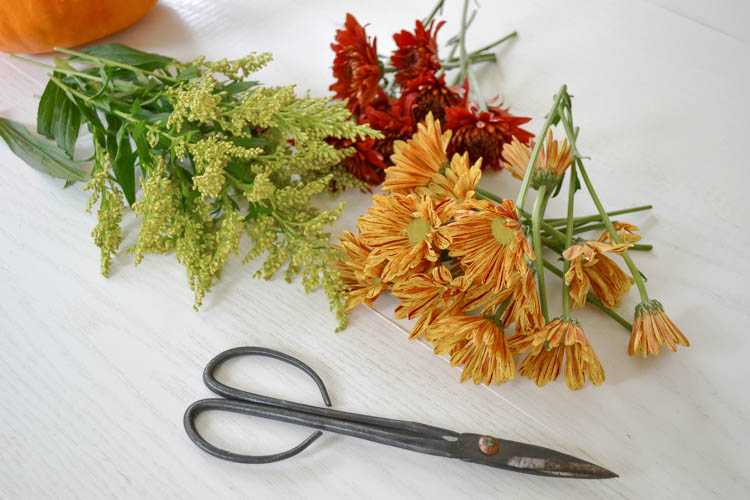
[34, 26]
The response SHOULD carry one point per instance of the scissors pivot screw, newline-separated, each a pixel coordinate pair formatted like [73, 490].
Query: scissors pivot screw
[489, 445]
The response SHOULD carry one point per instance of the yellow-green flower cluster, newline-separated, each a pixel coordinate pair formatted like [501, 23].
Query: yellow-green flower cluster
[219, 157]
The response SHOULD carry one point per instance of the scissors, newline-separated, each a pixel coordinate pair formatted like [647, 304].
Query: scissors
[422, 438]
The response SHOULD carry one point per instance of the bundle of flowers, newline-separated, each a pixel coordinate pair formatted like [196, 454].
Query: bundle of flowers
[468, 266]
[394, 95]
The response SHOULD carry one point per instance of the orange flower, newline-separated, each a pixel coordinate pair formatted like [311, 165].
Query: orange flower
[459, 181]
[476, 343]
[425, 295]
[626, 233]
[363, 283]
[652, 329]
[551, 162]
[489, 243]
[561, 340]
[524, 309]
[416, 161]
[591, 270]
[405, 233]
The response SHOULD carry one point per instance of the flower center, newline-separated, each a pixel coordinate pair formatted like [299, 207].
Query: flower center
[417, 230]
[502, 234]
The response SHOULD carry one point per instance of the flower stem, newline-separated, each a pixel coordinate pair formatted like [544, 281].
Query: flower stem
[437, 8]
[473, 59]
[562, 221]
[569, 241]
[110, 62]
[552, 116]
[536, 237]
[497, 42]
[634, 271]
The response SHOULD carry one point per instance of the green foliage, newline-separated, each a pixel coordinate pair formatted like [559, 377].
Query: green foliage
[216, 156]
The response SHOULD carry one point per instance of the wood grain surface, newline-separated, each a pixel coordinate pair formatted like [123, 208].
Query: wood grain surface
[95, 373]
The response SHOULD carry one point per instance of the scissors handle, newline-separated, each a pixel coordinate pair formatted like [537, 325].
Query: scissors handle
[409, 435]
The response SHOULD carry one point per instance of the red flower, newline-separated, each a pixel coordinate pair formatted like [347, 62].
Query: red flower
[416, 53]
[367, 163]
[370, 158]
[428, 93]
[356, 68]
[484, 133]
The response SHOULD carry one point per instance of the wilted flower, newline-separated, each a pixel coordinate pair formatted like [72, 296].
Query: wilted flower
[561, 340]
[652, 329]
[476, 343]
[591, 270]
[551, 162]
[363, 284]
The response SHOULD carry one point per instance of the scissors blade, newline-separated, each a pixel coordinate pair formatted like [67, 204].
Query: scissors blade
[526, 458]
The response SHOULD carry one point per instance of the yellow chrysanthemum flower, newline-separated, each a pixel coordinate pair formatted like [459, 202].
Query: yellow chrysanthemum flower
[626, 233]
[591, 270]
[363, 283]
[420, 165]
[476, 343]
[405, 232]
[551, 162]
[652, 329]
[489, 243]
[561, 340]
[416, 161]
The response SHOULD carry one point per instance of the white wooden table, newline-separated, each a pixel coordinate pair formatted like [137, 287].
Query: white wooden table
[95, 374]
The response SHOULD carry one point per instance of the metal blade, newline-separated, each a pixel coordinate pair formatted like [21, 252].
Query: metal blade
[525, 458]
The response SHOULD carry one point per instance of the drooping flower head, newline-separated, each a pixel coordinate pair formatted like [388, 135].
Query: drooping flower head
[551, 162]
[561, 341]
[475, 342]
[425, 296]
[356, 68]
[626, 233]
[484, 133]
[591, 270]
[363, 283]
[428, 93]
[490, 244]
[652, 329]
[523, 308]
[416, 53]
[405, 232]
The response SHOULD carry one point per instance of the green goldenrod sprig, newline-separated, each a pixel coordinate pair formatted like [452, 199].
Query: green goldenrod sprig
[216, 156]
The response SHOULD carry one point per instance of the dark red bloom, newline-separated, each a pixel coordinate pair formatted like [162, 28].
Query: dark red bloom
[484, 133]
[356, 68]
[417, 52]
[367, 163]
[428, 93]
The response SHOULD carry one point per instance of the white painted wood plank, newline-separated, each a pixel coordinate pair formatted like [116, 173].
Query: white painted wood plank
[98, 372]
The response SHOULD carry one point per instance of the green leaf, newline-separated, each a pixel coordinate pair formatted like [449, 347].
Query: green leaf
[123, 164]
[40, 154]
[127, 55]
[142, 147]
[58, 118]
